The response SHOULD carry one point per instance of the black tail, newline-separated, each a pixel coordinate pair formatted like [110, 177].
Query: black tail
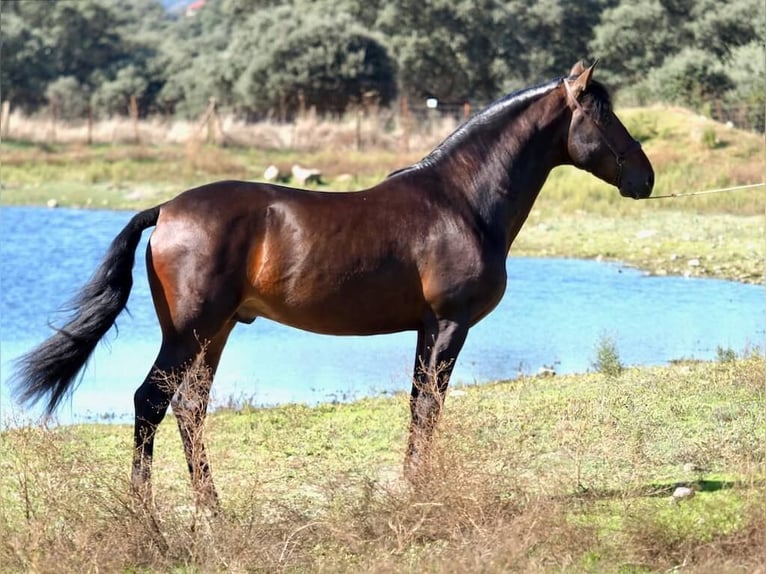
[52, 368]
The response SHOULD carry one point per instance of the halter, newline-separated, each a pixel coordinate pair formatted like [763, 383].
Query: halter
[618, 156]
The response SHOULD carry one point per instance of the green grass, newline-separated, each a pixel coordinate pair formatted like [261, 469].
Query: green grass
[535, 474]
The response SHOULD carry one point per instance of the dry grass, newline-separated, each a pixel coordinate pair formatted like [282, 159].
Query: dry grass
[535, 475]
[379, 130]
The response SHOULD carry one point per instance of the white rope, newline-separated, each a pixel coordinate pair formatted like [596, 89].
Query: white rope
[706, 191]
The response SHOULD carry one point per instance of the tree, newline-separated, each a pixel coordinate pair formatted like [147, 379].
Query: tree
[634, 37]
[195, 59]
[449, 49]
[25, 49]
[288, 59]
[75, 47]
[69, 96]
[689, 78]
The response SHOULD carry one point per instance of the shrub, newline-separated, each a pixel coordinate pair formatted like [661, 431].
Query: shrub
[607, 360]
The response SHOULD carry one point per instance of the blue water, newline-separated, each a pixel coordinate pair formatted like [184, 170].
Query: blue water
[555, 312]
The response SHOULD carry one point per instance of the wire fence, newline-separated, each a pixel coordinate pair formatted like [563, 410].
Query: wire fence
[407, 125]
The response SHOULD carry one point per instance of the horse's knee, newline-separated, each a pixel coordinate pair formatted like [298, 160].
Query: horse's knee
[151, 402]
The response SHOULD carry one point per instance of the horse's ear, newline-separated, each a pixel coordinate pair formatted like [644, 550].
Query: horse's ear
[580, 83]
[577, 69]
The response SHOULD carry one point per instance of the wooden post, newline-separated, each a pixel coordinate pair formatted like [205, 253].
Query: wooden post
[52, 133]
[358, 128]
[404, 118]
[5, 120]
[134, 117]
[90, 124]
[209, 122]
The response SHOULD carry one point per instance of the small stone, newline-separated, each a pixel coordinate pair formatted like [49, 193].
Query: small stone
[693, 263]
[52, 203]
[682, 492]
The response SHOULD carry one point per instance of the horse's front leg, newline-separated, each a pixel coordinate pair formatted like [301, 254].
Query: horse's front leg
[439, 344]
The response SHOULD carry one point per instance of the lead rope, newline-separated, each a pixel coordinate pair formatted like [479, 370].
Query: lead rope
[707, 191]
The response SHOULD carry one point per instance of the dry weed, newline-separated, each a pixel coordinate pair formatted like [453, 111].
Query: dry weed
[308, 133]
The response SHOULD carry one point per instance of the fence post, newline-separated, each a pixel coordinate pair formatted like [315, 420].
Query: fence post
[358, 127]
[5, 120]
[134, 118]
[404, 118]
[52, 133]
[90, 124]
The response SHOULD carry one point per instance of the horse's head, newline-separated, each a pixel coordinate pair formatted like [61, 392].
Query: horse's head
[597, 140]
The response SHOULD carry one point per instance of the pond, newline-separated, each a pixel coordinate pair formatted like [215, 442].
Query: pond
[555, 313]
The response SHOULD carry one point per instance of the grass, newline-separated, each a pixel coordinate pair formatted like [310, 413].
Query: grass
[537, 474]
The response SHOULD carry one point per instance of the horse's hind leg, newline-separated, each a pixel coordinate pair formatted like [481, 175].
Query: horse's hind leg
[189, 404]
[151, 402]
[179, 363]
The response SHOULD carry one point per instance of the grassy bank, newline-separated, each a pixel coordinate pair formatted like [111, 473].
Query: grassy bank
[576, 215]
[568, 473]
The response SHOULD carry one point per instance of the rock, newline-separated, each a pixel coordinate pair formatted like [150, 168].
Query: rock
[271, 173]
[646, 233]
[52, 203]
[693, 262]
[546, 371]
[681, 493]
[304, 175]
[276, 174]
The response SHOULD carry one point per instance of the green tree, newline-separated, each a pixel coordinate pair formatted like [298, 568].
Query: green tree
[450, 49]
[195, 59]
[26, 67]
[75, 47]
[289, 58]
[557, 33]
[747, 71]
[634, 37]
[70, 97]
[691, 78]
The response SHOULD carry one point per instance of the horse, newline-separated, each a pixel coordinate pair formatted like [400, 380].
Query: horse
[424, 250]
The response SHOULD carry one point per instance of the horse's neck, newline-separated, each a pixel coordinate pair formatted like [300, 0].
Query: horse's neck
[502, 169]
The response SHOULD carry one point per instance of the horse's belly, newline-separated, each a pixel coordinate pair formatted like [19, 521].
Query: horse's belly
[357, 306]
[337, 317]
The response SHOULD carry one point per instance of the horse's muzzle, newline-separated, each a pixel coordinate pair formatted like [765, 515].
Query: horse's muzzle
[638, 189]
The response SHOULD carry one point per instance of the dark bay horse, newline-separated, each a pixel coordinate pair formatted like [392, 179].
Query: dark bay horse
[424, 250]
